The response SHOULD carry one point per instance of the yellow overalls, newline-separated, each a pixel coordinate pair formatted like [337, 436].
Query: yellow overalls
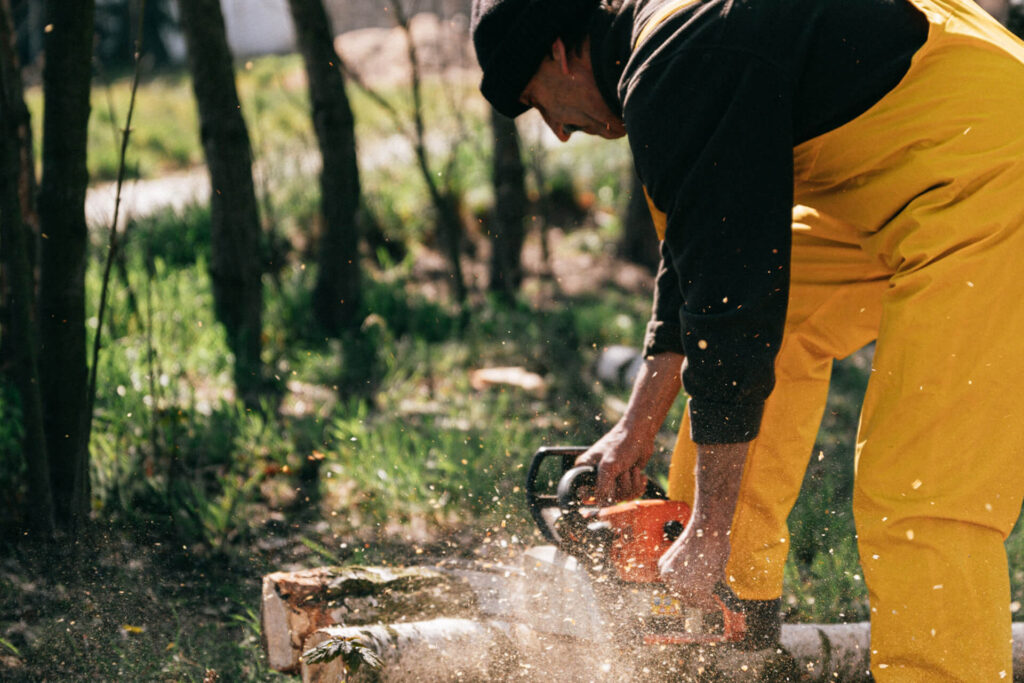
[909, 230]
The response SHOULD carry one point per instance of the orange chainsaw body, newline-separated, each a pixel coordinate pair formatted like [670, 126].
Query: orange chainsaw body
[640, 538]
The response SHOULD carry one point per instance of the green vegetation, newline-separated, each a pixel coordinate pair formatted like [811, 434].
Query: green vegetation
[378, 450]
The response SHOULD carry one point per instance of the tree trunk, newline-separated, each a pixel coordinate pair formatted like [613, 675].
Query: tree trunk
[509, 209]
[338, 292]
[19, 331]
[235, 266]
[27, 178]
[17, 115]
[63, 371]
[639, 243]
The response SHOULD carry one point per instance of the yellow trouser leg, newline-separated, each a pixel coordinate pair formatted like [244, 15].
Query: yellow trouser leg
[834, 300]
[934, 183]
[939, 476]
[930, 185]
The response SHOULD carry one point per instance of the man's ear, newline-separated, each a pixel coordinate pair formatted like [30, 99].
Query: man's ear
[560, 55]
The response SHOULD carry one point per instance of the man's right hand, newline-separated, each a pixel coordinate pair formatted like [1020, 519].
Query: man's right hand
[620, 458]
[622, 453]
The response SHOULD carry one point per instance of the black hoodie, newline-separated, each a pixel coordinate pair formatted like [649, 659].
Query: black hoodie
[715, 98]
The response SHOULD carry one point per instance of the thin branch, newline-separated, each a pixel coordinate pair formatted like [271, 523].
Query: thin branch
[151, 363]
[418, 142]
[112, 244]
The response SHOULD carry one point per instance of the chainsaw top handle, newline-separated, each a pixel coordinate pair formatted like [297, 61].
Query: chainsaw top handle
[585, 476]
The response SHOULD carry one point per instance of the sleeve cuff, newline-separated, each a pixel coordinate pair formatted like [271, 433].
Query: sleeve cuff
[712, 422]
[662, 337]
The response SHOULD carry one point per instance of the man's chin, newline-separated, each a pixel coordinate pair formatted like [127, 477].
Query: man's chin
[612, 132]
[606, 132]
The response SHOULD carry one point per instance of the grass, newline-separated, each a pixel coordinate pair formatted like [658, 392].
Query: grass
[275, 102]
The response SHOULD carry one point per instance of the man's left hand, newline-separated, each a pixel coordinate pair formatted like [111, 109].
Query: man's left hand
[693, 566]
[695, 563]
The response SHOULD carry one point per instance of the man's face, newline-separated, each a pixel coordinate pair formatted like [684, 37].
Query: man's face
[565, 93]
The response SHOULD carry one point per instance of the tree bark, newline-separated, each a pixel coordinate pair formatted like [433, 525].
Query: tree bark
[509, 209]
[235, 266]
[16, 115]
[63, 370]
[639, 243]
[19, 329]
[443, 649]
[27, 186]
[338, 292]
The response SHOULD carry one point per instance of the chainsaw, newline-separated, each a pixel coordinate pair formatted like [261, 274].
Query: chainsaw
[608, 557]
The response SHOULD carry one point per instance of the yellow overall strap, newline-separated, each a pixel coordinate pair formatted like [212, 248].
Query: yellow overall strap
[658, 216]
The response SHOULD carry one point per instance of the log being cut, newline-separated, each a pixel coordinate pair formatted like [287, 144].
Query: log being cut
[295, 604]
[497, 623]
[591, 606]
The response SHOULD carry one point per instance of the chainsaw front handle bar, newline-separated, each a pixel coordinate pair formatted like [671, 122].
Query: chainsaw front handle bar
[537, 501]
[586, 476]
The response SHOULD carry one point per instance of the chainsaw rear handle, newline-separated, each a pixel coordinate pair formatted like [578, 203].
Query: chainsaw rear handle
[734, 624]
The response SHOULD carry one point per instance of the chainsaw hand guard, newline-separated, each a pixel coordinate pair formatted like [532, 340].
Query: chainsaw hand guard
[543, 480]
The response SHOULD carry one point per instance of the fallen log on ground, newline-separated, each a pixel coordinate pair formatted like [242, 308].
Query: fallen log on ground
[440, 649]
[457, 623]
[469, 650]
[295, 604]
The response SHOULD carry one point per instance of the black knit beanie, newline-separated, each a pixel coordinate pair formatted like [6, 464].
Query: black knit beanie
[512, 37]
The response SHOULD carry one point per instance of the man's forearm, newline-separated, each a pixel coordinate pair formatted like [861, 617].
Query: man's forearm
[718, 477]
[656, 387]
[696, 561]
[622, 453]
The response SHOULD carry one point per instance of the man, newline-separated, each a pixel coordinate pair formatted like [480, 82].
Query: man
[822, 173]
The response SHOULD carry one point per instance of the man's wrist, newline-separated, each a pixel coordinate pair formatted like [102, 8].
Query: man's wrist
[640, 427]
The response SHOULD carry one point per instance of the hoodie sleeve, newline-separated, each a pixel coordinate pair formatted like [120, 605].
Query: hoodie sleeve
[711, 133]
[663, 331]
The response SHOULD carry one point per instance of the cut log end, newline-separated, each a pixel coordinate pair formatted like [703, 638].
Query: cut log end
[295, 604]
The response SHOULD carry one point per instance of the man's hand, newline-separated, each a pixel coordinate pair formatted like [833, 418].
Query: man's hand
[696, 561]
[693, 566]
[620, 457]
[622, 453]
